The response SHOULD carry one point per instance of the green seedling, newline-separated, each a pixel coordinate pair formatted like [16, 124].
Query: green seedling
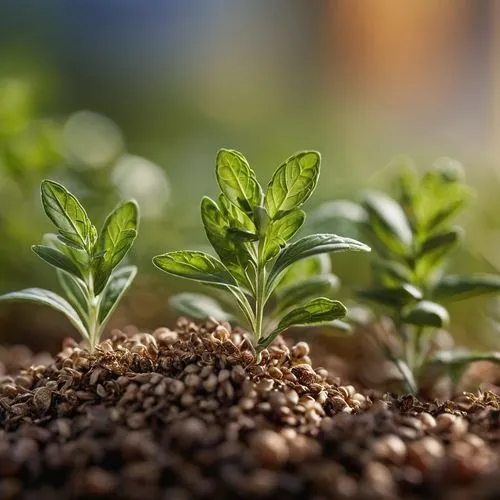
[86, 262]
[414, 239]
[251, 231]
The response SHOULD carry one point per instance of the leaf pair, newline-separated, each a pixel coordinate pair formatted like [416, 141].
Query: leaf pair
[86, 262]
[250, 232]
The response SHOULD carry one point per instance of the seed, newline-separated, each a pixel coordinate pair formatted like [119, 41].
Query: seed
[42, 399]
[210, 383]
[390, 448]
[427, 420]
[446, 422]
[238, 374]
[292, 396]
[265, 385]
[300, 350]
[422, 453]
[269, 447]
[276, 373]
[192, 380]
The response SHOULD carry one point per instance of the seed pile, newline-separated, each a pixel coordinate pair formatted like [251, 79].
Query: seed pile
[188, 414]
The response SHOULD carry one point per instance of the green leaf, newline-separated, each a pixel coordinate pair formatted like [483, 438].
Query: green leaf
[76, 255]
[435, 249]
[389, 223]
[306, 268]
[280, 231]
[198, 266]
[57, 259]
[297, 293]
[393, 296]
[456, 362]
[239, 221]
[198, 306]
[75, 292]
[233, 254]
[116, 239]
[237, 180]
[312, 245]
[427, 313]
[67, 214]
[316, 311]
[48, 298]
[292, 183]
[118, 283]
[441, 196]
[455, 287]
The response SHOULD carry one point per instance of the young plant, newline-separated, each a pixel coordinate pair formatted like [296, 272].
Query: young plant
[250, 232]
[86, 262]
[413, 238]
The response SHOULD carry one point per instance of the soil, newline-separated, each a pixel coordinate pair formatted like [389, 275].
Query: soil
[188, 414]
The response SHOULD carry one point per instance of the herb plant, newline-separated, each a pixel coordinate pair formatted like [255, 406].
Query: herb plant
[251, 231]
[414, 239]
[86, 262]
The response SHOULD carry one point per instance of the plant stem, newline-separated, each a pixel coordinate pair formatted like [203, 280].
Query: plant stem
[93, 311]
[259, 300]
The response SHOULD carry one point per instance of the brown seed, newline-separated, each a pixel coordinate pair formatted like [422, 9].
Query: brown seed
[99, 482]
[269, 447]
[42, 398]
[455, 425]
[424, 452]
[238, 374]
[390, 448]
[427, 420]
[300, 350]
[210, 384]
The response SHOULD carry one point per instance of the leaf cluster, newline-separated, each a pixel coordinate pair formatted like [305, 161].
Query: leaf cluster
[86, 261]
[251, 232]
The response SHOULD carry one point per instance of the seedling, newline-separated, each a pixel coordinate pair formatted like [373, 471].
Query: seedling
[413, 240]
[86, 262]
[251, 232]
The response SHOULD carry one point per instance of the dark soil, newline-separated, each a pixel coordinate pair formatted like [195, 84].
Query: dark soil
[187, 414]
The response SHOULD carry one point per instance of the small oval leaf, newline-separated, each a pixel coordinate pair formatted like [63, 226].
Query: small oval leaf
[198, 266]
[392, 296]
[316, 311]
[237, 180]
[57, 259]
[427, 313]
[292, 183]
[67, 214]
[280, 231]
[118, 283]
[117, 236]
[455, 287]
[389, 223]
[312, 245]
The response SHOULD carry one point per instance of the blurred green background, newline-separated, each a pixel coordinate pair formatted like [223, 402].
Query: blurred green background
[133, 99]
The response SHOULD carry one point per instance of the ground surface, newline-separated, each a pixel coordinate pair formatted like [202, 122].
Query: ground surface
[187, 414]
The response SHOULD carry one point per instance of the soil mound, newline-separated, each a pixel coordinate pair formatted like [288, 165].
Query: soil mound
[188, 414]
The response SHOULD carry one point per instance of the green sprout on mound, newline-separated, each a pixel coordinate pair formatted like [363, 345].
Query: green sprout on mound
[86, 261]
[251, 231]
